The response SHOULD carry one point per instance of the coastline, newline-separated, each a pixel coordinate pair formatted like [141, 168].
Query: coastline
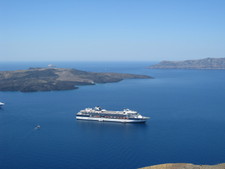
[185, 166]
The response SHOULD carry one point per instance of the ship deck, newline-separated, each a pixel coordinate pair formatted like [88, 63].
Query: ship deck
[105, 112]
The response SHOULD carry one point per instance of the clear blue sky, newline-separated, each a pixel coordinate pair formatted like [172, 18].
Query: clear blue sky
[87, 30]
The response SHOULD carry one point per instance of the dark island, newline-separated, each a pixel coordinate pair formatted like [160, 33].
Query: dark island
[48, 79]
[207, 63]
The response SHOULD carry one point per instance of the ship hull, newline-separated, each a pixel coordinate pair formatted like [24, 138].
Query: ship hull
[111, 120]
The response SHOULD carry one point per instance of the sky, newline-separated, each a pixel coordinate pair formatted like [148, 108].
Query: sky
[111, 30]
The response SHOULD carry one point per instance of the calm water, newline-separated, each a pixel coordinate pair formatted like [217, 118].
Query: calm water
[187, 110]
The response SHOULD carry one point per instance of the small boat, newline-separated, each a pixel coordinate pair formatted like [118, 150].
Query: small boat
[37, 127]
[2, 104]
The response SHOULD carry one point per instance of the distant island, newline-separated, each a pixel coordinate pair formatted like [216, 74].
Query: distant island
[207, 63]
[48, 79]
[185, 166]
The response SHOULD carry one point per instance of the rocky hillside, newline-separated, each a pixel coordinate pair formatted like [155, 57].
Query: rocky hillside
[185, 166]
[207, 63]
[47, 79]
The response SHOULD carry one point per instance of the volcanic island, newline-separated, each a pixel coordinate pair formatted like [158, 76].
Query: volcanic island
[52, 79]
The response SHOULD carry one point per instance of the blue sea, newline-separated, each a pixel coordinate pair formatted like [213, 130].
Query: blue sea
[187, 110]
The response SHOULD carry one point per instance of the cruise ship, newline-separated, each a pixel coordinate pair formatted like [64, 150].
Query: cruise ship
[99, 114]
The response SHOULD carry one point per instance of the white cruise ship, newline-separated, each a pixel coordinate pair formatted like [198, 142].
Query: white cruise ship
[98, 114]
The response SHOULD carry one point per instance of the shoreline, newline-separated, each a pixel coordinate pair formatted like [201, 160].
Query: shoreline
[185, 166]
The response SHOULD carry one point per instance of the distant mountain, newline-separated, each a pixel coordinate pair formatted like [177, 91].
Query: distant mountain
[47, 79]
[185, 166]
[207, 63]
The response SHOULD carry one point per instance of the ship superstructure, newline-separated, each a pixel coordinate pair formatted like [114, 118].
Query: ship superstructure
[99, 114]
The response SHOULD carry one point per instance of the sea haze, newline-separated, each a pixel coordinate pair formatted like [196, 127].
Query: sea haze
[187, 122]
